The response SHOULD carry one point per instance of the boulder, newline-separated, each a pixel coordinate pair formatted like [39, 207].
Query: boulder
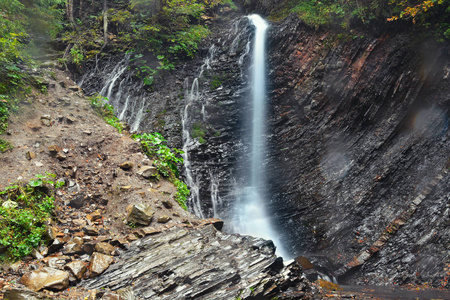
[46, 120]
[57, 262]
[21, 294]
[105, 248]
[61, 156]
[54, 149]
[126, 165]
[148, 172]
[164, 219]
[99, 263]
[167, 204]
[75, 246]
[90, 230]
[30, 155]
[139, 214]
[50, 234]
[77, 268]
[46, 278]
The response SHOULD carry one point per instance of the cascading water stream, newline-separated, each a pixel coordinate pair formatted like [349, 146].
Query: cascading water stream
[252, 217]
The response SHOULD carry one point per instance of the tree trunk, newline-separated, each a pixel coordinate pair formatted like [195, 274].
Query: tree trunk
[105, 22]
[69, 10]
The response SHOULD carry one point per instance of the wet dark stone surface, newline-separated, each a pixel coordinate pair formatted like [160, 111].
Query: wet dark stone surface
[359, 129]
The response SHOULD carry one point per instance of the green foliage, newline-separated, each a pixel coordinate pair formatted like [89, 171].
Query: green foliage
[164, 63]
[76, 54]
[198, 132]
[182, 193]
[432, 14]
[106, 111]
[166, 160]
[5, 146]
[186, 42]
[23, 221]
[215, 83]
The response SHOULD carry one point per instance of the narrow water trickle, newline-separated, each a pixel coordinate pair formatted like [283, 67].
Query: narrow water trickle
[252, 218]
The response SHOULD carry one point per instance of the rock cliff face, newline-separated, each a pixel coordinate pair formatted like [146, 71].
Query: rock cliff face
[360, 152]
[359, 143]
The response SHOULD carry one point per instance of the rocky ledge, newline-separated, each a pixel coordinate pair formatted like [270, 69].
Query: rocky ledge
[203, 263]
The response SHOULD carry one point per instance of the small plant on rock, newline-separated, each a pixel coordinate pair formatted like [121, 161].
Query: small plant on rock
[106, 111]
[166, 160]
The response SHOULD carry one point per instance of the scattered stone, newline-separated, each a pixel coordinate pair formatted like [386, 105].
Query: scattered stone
[54, 149]
[74, 88]
[110, 296]
[10, 204]
[164, 219]
[79, 222]
[139, 214]
[21, 294]
[77, 268]
[167, 204]
[43, 250]
[57, 244]
[61, 156]
[15, 267]
[38, 164]
[128, 165]
[99, 263]
[119, 242]
[64, 101]
[89, 247]
[95, 216]
[34, 127]
[75, 246]
[57, 262]
[46, 278]
[105, 248]
[90, 230]
[79, 201]
[125, 187]
[30, 155]
[36, 254]
[131, 238]
[46, 120]
[148, 172]
[50, 234]
[70, 120]
[87, 132]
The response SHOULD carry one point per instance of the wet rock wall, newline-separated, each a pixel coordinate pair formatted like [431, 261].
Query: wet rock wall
[359, 128]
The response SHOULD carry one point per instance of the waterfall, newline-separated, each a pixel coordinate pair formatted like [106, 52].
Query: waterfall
[251, 215]
[114, 80]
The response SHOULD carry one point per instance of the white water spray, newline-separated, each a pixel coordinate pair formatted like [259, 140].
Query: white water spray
[252, 218]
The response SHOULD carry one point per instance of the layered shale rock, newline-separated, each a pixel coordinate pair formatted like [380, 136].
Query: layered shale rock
[203, 263]
[360, 131]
